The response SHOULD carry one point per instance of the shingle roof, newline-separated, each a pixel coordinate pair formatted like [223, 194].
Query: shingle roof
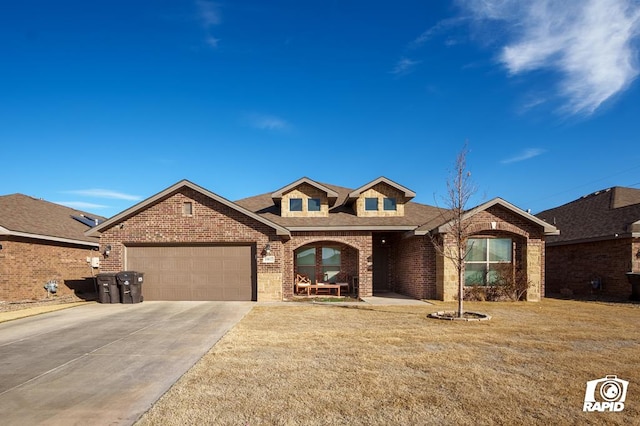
[601, 215]
[26, 216]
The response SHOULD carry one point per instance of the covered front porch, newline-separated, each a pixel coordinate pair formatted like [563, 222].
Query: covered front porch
[335, 266]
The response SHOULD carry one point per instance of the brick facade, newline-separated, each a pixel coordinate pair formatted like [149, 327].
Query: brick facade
[608, 260]
[210, 223]
[414, 268]
[27, 264]
[186, 215]
[498, 222]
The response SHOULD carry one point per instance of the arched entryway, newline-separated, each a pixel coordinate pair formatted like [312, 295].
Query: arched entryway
[328, 262]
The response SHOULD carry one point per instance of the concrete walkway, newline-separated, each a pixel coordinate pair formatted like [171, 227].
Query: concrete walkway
[391, 298]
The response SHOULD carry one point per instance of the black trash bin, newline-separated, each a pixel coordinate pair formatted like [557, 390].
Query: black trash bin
[130, 283]
[634, 280]
[136, 287]
[108, 288]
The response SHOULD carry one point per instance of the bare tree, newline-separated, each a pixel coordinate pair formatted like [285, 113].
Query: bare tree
[459, 190]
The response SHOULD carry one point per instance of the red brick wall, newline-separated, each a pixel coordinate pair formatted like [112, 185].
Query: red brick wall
[211, 222]
[358, 253]
[573, 266]
[414, 271]
[26, 265]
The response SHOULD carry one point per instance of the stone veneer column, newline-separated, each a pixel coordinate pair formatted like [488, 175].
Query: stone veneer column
[533, 256]
[269, 287]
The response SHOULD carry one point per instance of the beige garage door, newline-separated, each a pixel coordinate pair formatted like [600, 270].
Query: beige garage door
[193, 272]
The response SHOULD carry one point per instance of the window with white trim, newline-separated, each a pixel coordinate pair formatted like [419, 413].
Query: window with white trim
[484, 255]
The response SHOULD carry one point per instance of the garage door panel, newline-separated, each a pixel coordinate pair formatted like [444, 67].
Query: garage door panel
[194, 272]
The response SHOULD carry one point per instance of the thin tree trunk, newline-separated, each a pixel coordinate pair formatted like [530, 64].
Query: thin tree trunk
[460, 292]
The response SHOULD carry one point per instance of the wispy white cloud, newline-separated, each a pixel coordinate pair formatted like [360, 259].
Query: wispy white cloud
[104, 193]
[590, 43]
[81, 205]
[267, 122]
[439, 28]
[404, 66]
[209, 15]
[212, 41]
[524, 155]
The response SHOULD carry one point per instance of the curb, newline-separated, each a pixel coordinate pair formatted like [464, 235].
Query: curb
[29, 312]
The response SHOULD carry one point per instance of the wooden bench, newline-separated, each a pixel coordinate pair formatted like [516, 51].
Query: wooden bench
[328, 287]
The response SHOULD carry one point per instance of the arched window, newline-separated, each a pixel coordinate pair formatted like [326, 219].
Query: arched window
[319, 263]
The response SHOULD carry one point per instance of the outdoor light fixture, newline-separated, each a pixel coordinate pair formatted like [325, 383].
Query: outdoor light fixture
[107, 250]
[0, 246]
[267, 249]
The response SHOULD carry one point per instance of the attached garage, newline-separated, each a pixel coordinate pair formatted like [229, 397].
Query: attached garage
[194, 272]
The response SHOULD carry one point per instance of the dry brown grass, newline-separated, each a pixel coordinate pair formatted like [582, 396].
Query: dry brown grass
[326, 365]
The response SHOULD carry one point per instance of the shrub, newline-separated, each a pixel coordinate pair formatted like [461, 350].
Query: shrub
[507, 285]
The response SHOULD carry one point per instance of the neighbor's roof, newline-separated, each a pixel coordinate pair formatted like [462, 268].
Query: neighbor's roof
[24, 216]
[605, 214]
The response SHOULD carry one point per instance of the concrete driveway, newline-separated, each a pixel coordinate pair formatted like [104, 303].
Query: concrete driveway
[103, 364]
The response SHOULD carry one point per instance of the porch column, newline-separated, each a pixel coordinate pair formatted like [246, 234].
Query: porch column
[365, 269]
[535, 268]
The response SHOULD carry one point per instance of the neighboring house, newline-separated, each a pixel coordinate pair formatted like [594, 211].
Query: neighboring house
[598, 244]
[41, 242]
[193, 244]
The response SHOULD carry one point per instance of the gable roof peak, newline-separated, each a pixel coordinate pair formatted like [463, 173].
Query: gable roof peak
[331, 194]
[407, 192]
[176, 187]
[549, 229]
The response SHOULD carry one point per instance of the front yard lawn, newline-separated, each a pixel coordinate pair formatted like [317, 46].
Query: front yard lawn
[317, 364]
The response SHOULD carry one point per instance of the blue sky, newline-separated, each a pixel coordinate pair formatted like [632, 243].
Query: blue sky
[103, 104]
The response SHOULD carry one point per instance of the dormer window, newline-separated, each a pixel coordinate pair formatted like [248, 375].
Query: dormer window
[371, 204]
[380, 198]
[314, 205]
[304, 198]
[389, 204]
[295, 204]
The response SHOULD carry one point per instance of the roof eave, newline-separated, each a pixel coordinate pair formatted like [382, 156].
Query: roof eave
[352, 228]
[594, 239]
[5, 231]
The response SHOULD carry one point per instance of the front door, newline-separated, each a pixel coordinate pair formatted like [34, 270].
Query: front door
[380, 269]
